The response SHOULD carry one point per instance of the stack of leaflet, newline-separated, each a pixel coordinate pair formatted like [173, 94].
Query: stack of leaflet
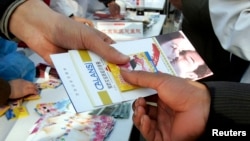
[72, 127]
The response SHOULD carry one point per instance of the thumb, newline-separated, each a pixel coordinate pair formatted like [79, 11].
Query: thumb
[143, 79]
[172, 90]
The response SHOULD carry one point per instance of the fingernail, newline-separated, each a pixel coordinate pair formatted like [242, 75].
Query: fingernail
[125, 69]
[125, 57]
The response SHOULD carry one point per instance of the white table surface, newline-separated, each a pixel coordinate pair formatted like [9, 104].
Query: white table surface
[19, 129]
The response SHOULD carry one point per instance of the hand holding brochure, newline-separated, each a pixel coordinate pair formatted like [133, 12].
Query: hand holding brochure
[91, 82]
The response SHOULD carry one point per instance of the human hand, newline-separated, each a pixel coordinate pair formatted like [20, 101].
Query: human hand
[176, 3]
[21, 88]
[182, 107]
[47, 32]
[114, 9]
[83, 20]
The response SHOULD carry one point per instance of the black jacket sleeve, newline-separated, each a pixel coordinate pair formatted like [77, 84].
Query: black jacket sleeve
[230, 99]
[230, 108]
[5, 90]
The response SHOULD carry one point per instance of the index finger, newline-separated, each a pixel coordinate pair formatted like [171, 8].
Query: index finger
[110, 54]
[101, 46]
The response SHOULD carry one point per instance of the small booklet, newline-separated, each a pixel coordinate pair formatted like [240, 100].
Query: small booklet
[91, 82]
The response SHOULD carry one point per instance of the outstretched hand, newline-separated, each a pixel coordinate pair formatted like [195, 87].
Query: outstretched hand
[182, 107]
[114, 9]
[47, 32]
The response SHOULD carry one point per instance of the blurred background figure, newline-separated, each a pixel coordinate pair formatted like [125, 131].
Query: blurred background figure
[75, 9]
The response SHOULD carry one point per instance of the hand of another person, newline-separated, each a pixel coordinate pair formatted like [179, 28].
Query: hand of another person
[176, 3]
[21, 88]
[182, 107]
[114, 9]
[83, 20]
[47, 32]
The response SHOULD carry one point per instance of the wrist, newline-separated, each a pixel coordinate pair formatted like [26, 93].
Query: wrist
[31, 16]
